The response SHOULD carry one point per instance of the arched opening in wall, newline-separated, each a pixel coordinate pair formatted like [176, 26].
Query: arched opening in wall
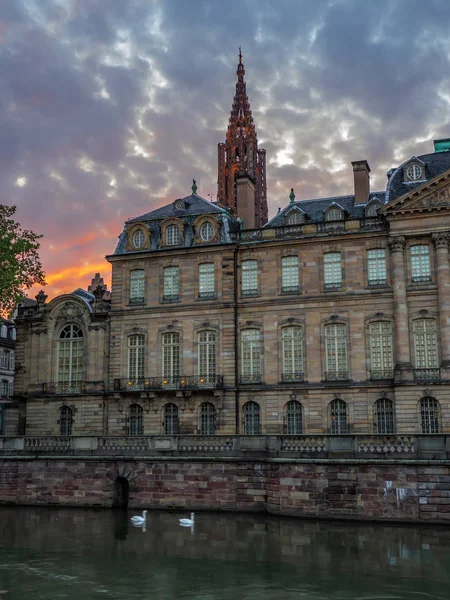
[121, 492]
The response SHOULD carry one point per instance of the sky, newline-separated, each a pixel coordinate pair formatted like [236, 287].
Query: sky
[109, 108]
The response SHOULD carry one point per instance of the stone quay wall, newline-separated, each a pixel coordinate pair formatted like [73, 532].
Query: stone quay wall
[337, 485]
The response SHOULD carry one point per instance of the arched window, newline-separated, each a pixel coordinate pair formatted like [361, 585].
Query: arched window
[292, 341]
[69, 366]
[430, 415]
[381, 355]
[171, 423]
[250, 356]
[252, 424]
[334, 214]
[206, 357]
[336, 352]
[136, 347]
[172, 235]
[293, 418]
[136, 422]
[65, 420]
[171, 358]
[207, 419]
[384, 416]
[338, 417]
[295, 218]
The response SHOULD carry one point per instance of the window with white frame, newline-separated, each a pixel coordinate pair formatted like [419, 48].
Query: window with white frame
[414, 172]
[206, 356]
[249, 283]
[138, 238]
[252, 424]
[430, 415]
[384, 416]
[420, 264]
[292, 343]
[171, 423]
[250, 356]
[136, 348]
[336, 352]
[332, 270]
[137, 283]
[171, 283]
[136, 420]
[12, 332]
[207, 231]
[334, 214]
[206, 284]
[372, 209]
[10, 388]
[70, 355]
[381, 354]
[425, 344]
[295, 218]
[293, 418]
[289, 274]
[172, 235]
[171, 357]
[3, 331]
[207, 418]
[65, 420]
[338, 417]
[376, 266]
[4, 388]
[4, 359]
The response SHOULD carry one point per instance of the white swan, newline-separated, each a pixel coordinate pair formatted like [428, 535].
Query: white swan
[187, 522]
[139, 520]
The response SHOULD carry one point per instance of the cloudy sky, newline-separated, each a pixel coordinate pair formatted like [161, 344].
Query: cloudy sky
[109, 108]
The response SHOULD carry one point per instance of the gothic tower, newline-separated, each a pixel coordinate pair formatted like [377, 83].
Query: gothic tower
[242, 167]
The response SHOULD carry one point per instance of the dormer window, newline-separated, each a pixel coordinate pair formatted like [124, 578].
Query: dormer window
[295, 218]
[206, 231]
[414, 172]
[334, 214]
[179, 205]
[138, 238]
[372, 209]
[172, 235]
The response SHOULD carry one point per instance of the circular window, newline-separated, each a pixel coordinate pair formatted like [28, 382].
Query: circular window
[179, 205]
[138, 238]
[207, 231]
[414, 172]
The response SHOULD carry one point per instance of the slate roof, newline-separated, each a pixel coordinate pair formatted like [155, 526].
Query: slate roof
[195, 205]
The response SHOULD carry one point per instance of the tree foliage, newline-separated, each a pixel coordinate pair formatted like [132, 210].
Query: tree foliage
[20, 266]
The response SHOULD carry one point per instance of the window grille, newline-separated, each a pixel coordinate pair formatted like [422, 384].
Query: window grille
[425, 343]
[172, 235]
[171, 356]
[207, 231]
[10, 388]
[381, 354]
[138, 238]
[294, 420]
[136, 346]
[430, 415]
[250, 356]
[338, 415]
[249, 277]
[4, 359]
[332, 270]
[295, 218]
[3, 388]
[336, 351]
[207, 356]
[137, 282]
[376, 267]
[372, 209]
[70, 350]
[384, 416]
[171, 422]
[171, 283]
[136, 423]
[289, 273]
[292, 343]
[206, 284]
[252, 424]
[420, 264]
[334, 214]
[207, 419]
[65, 420]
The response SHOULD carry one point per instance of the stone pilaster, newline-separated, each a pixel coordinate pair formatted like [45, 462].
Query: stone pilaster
[441, 240]
[403, 368]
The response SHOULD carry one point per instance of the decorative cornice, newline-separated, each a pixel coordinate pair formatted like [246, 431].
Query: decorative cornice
[396, 243]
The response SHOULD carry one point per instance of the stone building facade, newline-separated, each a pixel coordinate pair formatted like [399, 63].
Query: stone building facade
[8, 409]
[334, 317]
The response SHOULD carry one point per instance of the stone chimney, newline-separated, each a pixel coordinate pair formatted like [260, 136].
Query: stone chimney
[245, 201]
[361, 179]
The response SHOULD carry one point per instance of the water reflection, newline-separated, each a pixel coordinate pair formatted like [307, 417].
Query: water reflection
[88, 553]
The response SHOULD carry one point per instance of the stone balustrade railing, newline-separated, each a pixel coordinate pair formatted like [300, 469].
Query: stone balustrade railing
[290, 446]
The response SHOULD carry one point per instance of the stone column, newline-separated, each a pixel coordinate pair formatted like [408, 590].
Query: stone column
[403, 368]
[443, 284]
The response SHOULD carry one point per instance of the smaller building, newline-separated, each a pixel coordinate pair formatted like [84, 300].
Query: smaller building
[7, 361]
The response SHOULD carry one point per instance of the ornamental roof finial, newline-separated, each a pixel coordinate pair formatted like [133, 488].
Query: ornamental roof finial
[194, 187]
[292, 196]
[240, 56]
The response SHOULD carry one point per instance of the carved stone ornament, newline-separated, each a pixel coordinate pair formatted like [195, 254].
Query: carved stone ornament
[379, 315]
[440, 239]
[439, 198]
[396, 243]
[69, 311]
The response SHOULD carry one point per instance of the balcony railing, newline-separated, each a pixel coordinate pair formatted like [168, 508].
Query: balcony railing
[137, 300]
[333, 285]
[253, 378]
[205, 295]
[331, 227]
[290, 289]
[188, 382]
[289, 231]
[427, 374]
[292, 377]
[373, 223]
[336, 375]
[377, 282]
[64, 387]
[170, 297]
[421, 279]
[252, 292]
[382, 374]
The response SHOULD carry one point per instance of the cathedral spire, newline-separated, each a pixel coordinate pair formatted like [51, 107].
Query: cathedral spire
[242, 167]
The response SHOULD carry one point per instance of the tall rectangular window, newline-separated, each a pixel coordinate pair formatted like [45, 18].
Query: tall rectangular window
[171, 283]
[381, 355]
[136, 357]
[250, 356]
[207, 356]
[425, 344]
[292, 342]
[336, 352]
[249, 282]
[137, 279]
[332, 270]
[206, 285]
[376, 267]
[171, 357]
[420, 264]
[289, 274]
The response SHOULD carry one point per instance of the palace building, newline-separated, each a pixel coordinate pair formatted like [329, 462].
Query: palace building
[331, 317]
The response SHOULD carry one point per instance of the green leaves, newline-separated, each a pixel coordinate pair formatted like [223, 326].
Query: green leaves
[20, 266]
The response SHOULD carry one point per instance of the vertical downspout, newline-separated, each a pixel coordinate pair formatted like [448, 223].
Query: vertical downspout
[236, 340]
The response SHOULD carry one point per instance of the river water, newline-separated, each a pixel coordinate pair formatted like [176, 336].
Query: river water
[83, 554]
